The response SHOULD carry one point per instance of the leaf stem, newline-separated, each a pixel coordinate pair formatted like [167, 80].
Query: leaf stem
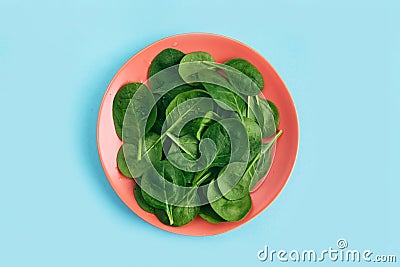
[273, 140]
[196, 185]
[140, 146]
[154, 144]
[169, 214]
[199, 175]
[258, 156]
[176, 141]
[248, 106]
[200, 181]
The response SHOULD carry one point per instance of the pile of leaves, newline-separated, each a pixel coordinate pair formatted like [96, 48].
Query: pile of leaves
[198, 140]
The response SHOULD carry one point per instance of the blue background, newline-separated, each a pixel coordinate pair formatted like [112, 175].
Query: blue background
[339, 59]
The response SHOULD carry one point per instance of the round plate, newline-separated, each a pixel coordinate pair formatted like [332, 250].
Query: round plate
[222, 49]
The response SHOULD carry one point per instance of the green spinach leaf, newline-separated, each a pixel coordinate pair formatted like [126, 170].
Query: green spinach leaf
[187, 143]
[262, 162]
[239, 81]
[261, 111]
[163, 71]
[246, 68]
[233, 182]
[184, 154]
[191, 64]
[180, 215]
[234, 188]
[163, 100]
[140, 200]
[275, 113]
[201, 124]
[162, 216]
[254, 135]
[224, 97]
[229, 210]
[155, 189]
[208, 214]
[188, 209]
[226, 145]
[142, 99]
[129, 153]
[260, 168]
[185, 107]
